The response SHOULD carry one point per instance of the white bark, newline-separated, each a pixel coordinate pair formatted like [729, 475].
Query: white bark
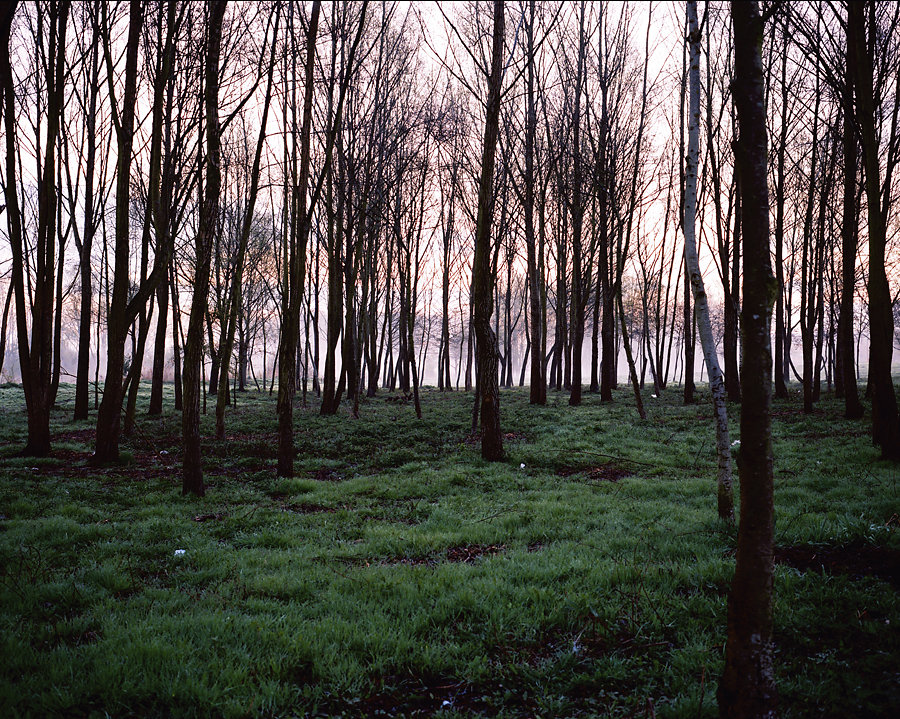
[701, 305]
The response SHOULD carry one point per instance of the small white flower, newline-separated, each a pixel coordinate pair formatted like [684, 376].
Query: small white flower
[179, 552]
[653, 395]
[736, 443]
[522, 466]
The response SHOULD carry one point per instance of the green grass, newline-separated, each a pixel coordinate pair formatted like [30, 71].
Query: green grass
[398, 574]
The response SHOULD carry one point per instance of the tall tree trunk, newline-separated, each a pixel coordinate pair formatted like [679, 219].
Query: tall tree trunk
[482, 275]
[192, 477]
[807, 273]
[577, 211]
[537, 393]
[885, 419]
[782, 348]
[35, 359]
[294, 270]
[701, 306]
[124, 309]
[82, 378]
[747, 688]
[853, 408]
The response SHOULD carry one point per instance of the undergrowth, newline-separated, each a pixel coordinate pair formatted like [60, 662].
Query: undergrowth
[398, 574]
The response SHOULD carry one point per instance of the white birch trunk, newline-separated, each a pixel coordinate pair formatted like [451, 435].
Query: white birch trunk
[701, 305]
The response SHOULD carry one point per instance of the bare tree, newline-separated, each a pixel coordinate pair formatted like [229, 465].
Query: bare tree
[35, 359]
[885, 418]
[747, 687]
[701, 305]
[192, 473]
[483, 276]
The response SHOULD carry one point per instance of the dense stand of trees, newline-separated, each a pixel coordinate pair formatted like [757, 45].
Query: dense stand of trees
[343, 198]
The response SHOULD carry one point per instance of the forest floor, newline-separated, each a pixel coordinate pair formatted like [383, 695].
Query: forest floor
[397, 574]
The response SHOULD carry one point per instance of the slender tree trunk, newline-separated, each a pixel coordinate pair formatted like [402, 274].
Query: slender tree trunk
[716, 383]
[482, 276]
[577, 211]
[294, 269]
[35, 359]
[885, 419]
[853, 408]
[82, 378]
[747, 688]
[192, 477]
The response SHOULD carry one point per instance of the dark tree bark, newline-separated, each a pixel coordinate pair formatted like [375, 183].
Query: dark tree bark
[82, 397]
[885, 420]
[807, 272]
[579, 286]
[35, 360]
[294, 269]
[106, 448]
[538, 387]
[483, 279]
[782, 349]
[747, 687]
[192, 476]
[853, 408]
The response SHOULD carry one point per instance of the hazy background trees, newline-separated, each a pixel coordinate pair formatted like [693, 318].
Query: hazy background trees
[361, 276]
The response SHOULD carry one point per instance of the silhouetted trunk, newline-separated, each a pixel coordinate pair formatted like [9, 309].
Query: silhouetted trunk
[807, 271]
[192, 476]
[853, 408]
[885, 420]
[125, 308]
[747, 688]
[482, 276]
[579, 289]
[294, 270]
[85, 267]
[538, 386]
[782, 349]
[35, 360]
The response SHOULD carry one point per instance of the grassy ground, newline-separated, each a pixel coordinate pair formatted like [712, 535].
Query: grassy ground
[398, 574]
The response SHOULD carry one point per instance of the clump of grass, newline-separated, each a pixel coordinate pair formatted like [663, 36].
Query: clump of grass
[397, 573]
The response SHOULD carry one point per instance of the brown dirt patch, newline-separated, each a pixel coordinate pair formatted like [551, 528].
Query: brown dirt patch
[469, 553]
[609, 472]
[326, 474]
[855, 560]
[85, 436]
[463, 554]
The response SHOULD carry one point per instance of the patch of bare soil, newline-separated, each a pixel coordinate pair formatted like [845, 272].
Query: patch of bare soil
[855, 560]
[471, 552]
[85, 436]
[463, 554]
[326, 474]
[609, 472]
